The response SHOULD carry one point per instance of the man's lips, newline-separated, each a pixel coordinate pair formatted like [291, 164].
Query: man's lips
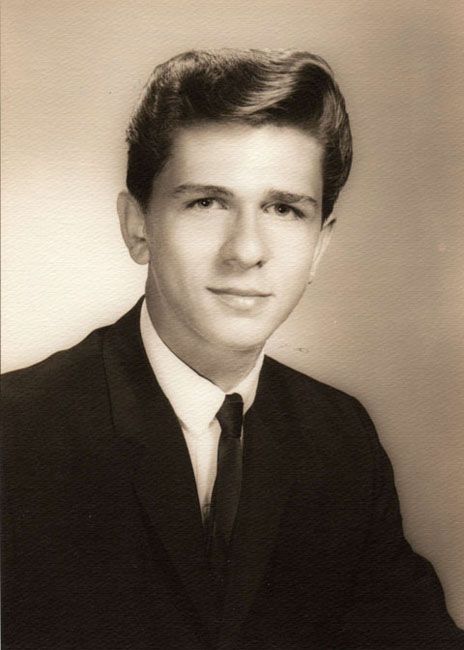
[242, 300]
[232, 291]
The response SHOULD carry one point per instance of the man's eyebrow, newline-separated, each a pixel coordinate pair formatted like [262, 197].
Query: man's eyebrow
[281, 196]
[192, 188]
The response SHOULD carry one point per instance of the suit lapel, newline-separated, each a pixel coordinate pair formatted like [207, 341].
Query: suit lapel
[165, 483]
[268, 472]
[163, 478]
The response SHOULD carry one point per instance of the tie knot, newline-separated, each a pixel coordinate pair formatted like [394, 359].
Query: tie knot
[230, 416]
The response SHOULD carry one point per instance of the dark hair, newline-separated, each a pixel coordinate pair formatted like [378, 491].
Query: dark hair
[283, 87]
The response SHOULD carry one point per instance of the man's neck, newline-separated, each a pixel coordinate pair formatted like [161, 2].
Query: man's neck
[227, 370]
[224, 367]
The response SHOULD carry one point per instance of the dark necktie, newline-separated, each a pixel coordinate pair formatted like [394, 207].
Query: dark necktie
[226, 492]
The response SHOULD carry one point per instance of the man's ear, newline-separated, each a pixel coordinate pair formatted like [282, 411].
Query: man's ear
[132, 223]
[321, 246]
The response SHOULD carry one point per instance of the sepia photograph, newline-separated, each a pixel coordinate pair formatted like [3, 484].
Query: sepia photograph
[232, 325]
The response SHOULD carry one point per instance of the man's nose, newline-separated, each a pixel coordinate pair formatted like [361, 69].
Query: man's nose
[245, 243]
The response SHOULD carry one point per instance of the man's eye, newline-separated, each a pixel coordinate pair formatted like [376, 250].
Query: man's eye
[205, 203]
[284, 210]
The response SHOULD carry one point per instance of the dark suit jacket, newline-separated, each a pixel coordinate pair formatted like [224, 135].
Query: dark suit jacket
[103, 539]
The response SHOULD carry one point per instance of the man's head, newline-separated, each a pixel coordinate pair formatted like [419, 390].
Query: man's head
[235, 161]
[251, 87]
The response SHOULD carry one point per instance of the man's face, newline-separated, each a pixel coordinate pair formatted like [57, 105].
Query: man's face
[233, 230]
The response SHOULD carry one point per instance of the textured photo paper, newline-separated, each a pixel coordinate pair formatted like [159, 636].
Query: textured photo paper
[382, 318]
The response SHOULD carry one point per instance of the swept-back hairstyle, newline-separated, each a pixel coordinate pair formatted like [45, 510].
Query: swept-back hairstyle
[282, 87]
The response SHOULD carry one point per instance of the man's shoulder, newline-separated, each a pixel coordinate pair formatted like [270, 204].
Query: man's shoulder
[69, 389]
[306, 388]
[65, 374]
[323, 414]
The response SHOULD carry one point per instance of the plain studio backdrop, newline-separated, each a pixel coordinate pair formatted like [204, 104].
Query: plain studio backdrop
[383, 320]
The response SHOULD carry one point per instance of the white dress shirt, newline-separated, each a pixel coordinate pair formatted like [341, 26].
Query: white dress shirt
[195, 401]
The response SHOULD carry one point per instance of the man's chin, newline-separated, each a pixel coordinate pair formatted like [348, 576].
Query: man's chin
[241, 334]
[243, 341]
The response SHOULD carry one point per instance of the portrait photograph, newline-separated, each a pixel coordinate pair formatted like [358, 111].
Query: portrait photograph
[232, 325]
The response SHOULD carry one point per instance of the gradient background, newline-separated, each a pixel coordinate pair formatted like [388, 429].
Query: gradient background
[383, 320]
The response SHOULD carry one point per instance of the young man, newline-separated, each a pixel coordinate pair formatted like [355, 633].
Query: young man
[169, 486]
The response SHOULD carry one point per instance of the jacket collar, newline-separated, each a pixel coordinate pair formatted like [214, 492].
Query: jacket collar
[163, 477]
[165, 483]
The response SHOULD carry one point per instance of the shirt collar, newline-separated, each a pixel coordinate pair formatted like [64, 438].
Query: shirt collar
[195, 399]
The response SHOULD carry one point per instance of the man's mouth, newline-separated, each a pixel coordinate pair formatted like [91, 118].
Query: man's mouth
[242, 299]
[232, 291]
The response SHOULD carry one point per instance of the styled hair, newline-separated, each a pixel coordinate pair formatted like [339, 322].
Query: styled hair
[256, 87]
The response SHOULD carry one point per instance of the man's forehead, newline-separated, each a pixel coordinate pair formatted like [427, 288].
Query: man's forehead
[238, 134]
[284, 159]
